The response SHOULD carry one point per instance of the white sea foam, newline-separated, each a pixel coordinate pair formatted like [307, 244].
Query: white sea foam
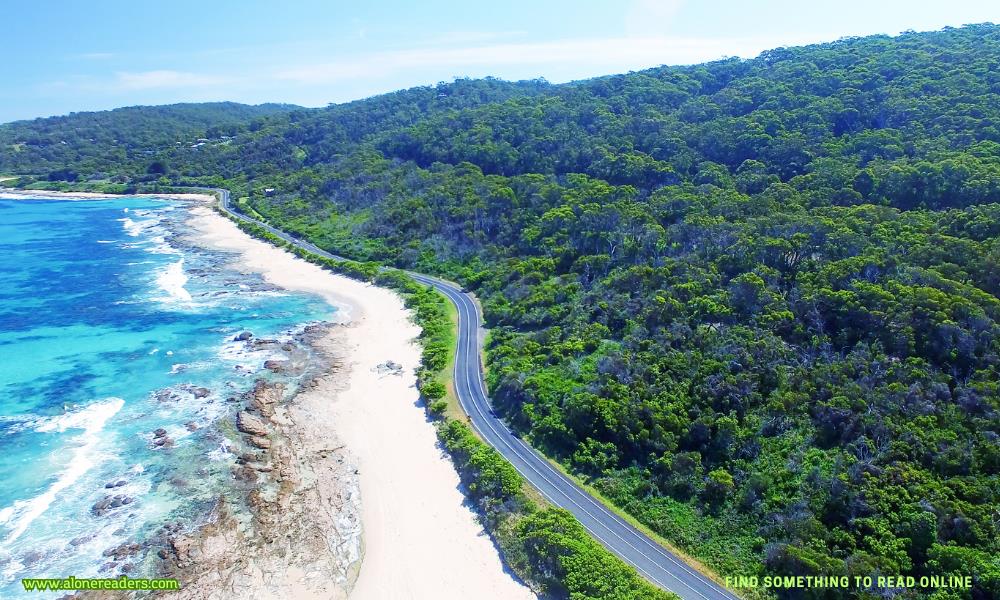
[136, 228]
[91, 419]
[161, 246]
[149, 229]
[171, 280]
[223, 452]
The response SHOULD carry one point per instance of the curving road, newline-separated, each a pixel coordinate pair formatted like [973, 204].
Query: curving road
[653, 561]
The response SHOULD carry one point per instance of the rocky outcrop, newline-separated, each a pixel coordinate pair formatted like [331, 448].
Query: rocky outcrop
[303, 499]
[249, 424]
[243, 337]
[260, 441]
[278, 366]
[182, 547]
[265, 397]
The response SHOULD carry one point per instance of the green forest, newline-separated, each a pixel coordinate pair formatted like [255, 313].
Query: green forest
[755, 303]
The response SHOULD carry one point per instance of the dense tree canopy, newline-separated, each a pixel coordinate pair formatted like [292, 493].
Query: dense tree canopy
[755, 302]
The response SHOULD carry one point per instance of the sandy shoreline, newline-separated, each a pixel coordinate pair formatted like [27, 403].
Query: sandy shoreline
[420, 539]
[16, 194]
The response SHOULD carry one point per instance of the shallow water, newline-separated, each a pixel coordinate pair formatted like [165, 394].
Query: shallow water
[108, 324]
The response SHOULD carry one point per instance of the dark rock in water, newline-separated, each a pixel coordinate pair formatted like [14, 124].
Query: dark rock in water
[119, 532]
[83, 539]
[243, 337]
[192, 426]
[313, 329]
[276, 366]
[127, 568]
[161, 432]
[122, 551]
[245, 473]
[114, 484]
[261, 342]
[108, 566]
[166, 396]
[109, 503]
[201, 392]
[163, 442]
[101, 506]
[250, 424]
[31, 557]
[287, 347]
[162, 553]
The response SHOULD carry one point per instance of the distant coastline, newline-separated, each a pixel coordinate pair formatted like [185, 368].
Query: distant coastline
[26, 194]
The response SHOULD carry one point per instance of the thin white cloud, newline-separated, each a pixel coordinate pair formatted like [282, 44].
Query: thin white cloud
[346, 78]
[646, 18]
[96, 55]
[475, 37]
[624, 52]
[148, 80]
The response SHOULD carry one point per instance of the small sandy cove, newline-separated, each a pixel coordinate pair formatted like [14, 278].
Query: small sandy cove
[420, 539]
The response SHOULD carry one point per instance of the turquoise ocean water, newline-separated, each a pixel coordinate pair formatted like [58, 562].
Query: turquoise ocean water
[109, 324]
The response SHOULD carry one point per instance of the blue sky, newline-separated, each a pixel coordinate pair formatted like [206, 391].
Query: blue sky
[67, 55]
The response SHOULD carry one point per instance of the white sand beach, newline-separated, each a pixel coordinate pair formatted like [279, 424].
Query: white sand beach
[420, 539]
[16, 194]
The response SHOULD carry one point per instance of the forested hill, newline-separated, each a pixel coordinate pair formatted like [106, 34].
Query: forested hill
[121, 140]
[756, 302]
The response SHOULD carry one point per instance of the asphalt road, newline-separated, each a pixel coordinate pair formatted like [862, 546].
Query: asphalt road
[651, 560]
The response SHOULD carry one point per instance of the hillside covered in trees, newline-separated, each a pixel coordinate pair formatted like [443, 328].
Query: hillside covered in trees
[756, 303]
[97, 145]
